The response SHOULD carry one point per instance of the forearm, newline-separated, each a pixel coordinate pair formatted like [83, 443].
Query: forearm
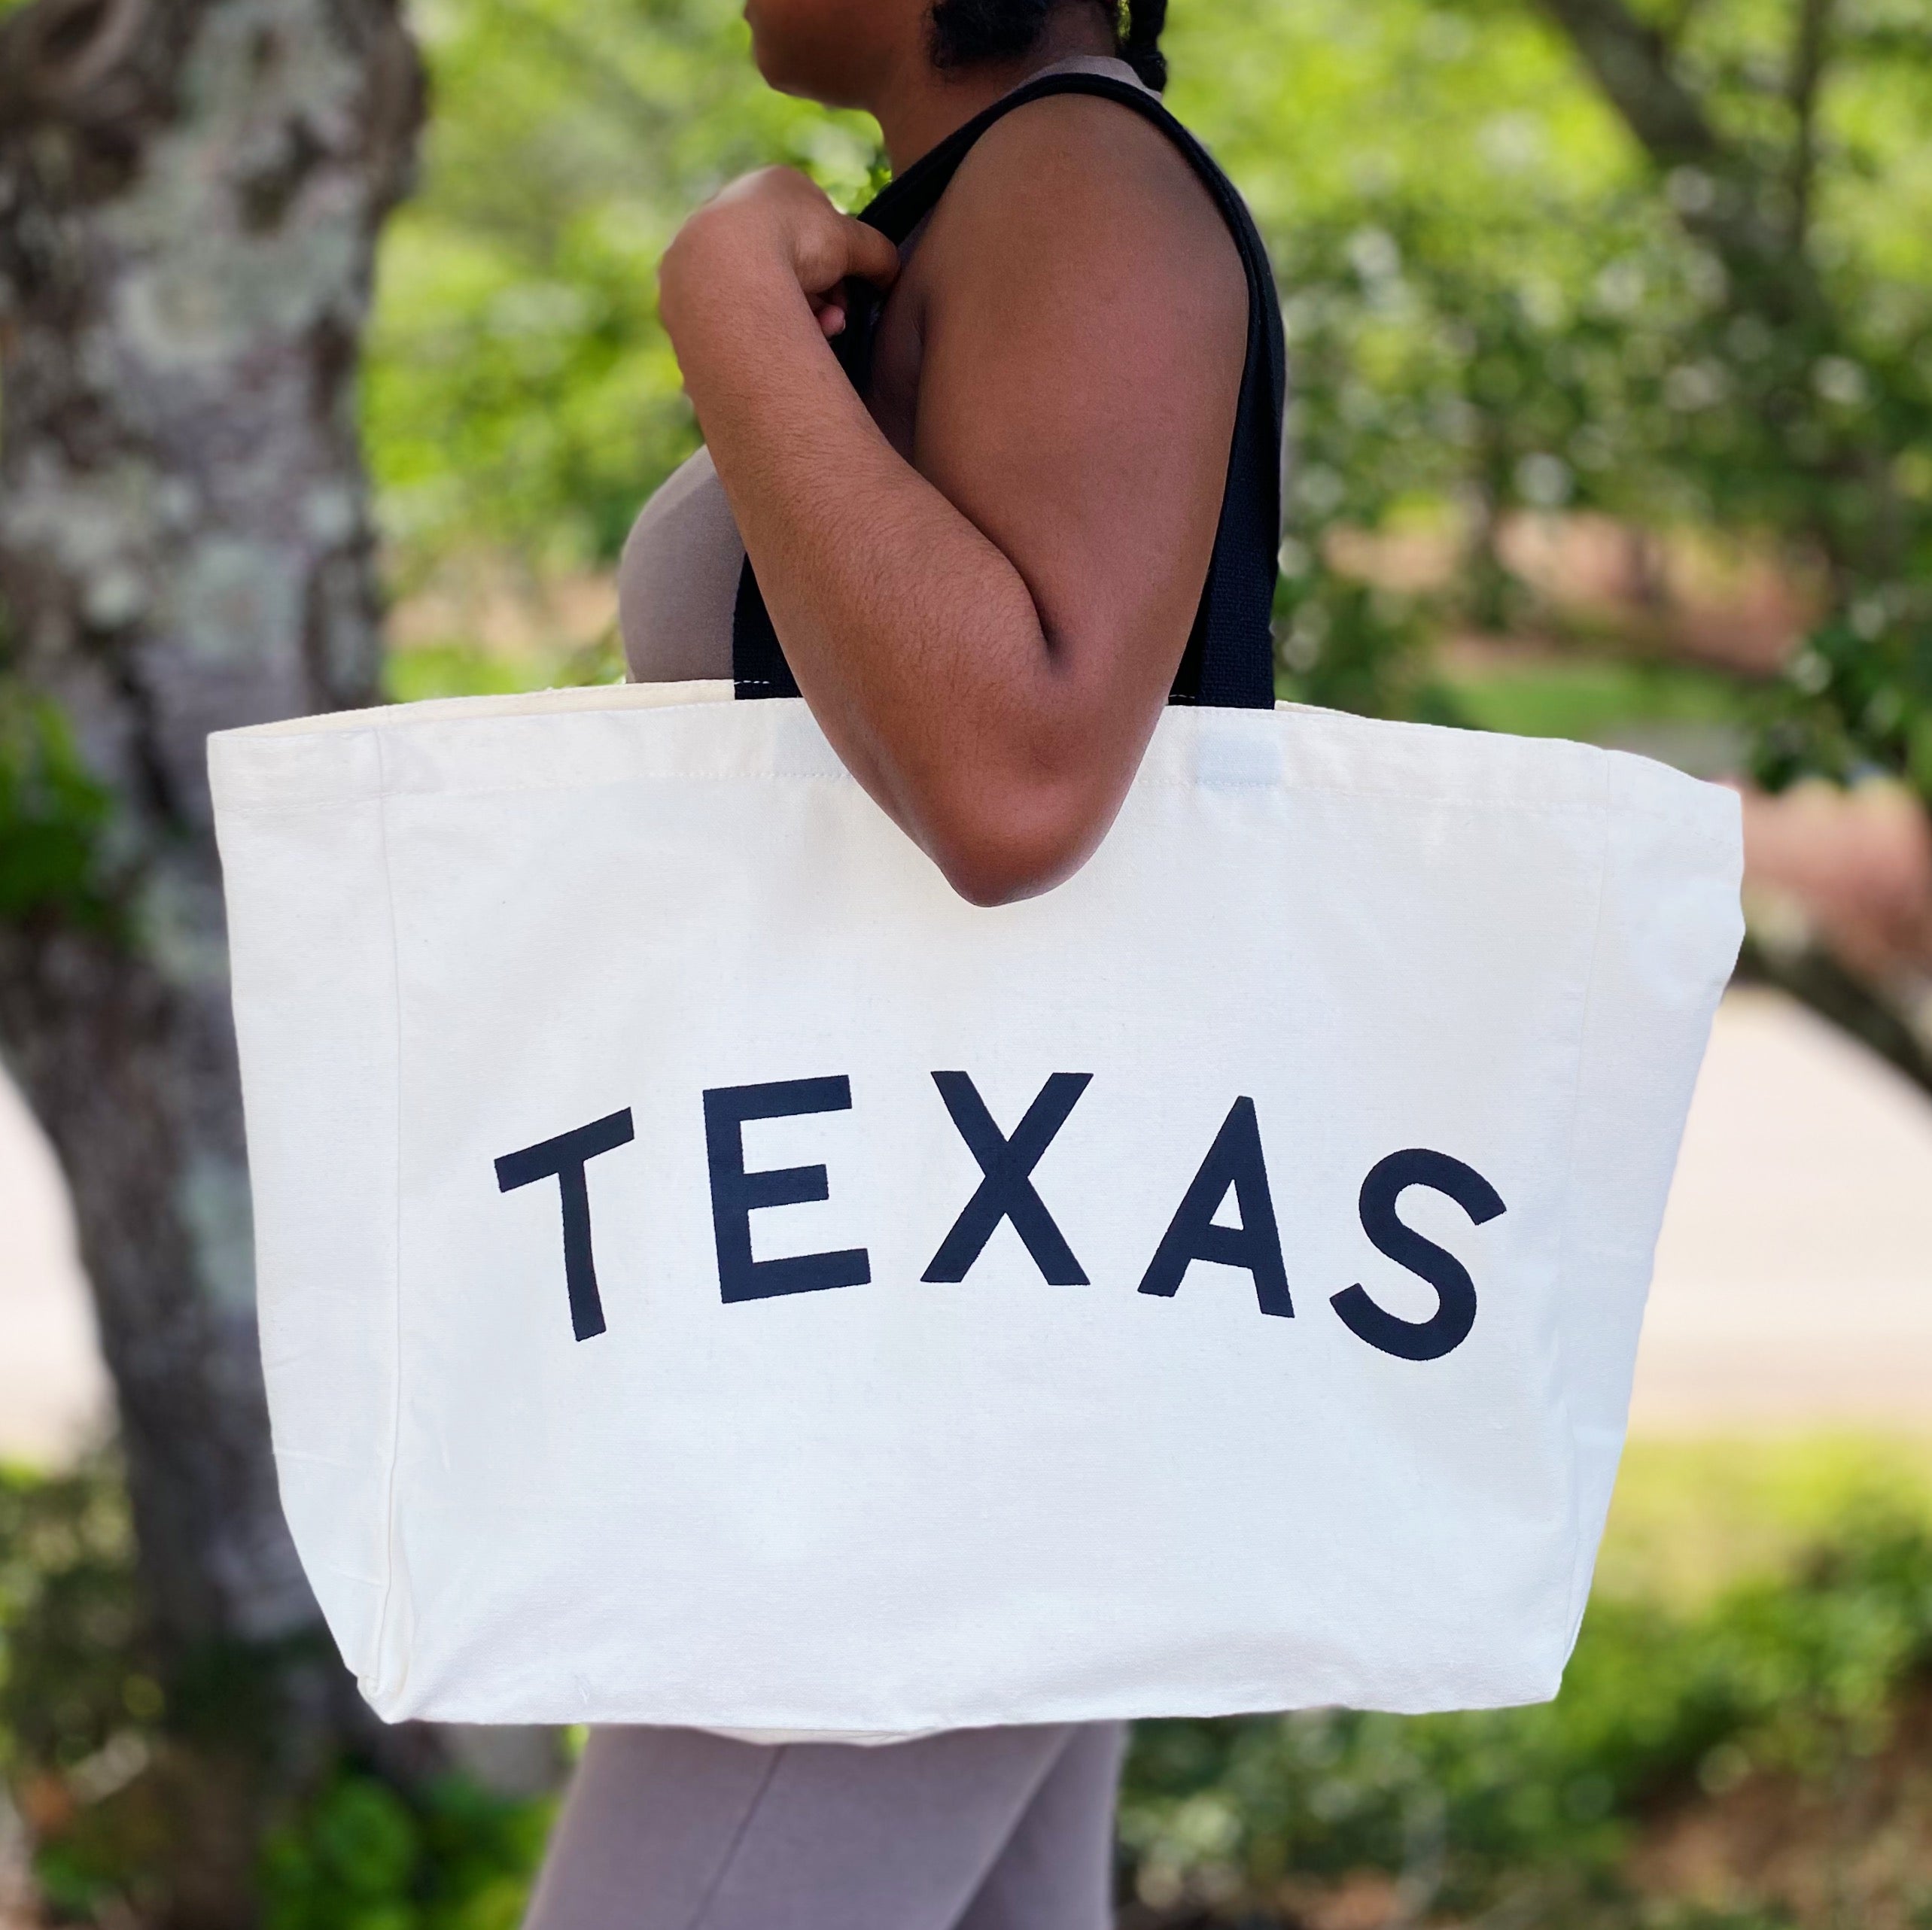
[912, 636]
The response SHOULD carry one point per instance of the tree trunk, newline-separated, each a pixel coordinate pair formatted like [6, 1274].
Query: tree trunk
[190, 195]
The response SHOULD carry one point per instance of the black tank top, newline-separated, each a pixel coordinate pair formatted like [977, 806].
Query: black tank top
[1230, 657]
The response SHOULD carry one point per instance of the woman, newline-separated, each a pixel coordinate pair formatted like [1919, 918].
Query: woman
[1039, 497]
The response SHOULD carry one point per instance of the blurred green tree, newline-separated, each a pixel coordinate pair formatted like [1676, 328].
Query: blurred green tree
[522, 400]
[1666, 261]
[1770, 132]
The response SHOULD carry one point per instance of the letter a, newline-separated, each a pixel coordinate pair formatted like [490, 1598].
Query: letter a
[1233, 1160]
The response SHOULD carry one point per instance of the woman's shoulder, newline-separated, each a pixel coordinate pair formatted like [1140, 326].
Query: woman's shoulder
[1071, 185]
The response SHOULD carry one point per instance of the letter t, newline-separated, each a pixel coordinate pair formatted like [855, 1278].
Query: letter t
[564, 1159]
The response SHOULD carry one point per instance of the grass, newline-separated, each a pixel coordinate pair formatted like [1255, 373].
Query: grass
[1593, 699]
[1691, 1517]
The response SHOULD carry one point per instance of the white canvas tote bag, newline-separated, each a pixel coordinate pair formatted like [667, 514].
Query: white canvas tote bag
[710, 1274]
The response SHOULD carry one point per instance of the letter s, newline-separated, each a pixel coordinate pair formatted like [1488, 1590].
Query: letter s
[1455, 1314]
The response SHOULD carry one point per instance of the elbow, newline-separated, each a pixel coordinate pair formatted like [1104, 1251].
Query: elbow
[989, 878]
[1026, 846]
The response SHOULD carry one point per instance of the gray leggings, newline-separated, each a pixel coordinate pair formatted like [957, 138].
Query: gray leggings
[976, 1829]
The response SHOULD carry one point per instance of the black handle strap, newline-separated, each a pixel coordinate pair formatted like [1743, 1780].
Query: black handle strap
[1230, 657]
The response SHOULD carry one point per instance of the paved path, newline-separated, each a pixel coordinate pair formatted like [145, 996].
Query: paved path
[1794, 1278]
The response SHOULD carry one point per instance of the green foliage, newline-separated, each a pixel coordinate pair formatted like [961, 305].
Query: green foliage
[361, 1857]
[522, 397]
[86, 1733]
[459, 670]
[1857, 698]
[53, 813]
[1678, 1692]
[71, 1678]
[81, 1704]
[1347, 645]
[1533, 1809]
[1495, 302]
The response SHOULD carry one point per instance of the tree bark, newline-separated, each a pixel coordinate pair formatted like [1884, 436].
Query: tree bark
[1892, 1026]
[190, 191]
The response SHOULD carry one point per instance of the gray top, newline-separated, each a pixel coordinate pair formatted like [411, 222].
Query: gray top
[677, 580]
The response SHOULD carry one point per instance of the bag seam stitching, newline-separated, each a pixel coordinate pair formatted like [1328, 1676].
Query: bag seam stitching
[1582, 808]
[396, 1337]
[1572, 1612]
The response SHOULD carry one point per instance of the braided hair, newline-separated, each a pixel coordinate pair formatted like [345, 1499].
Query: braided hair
[966, 32]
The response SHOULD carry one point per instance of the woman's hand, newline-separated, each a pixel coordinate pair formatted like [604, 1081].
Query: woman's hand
[772, 226]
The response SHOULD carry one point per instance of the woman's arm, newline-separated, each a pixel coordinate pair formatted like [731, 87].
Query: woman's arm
[987, 631]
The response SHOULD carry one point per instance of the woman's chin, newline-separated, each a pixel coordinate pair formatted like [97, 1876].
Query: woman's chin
[780, 74]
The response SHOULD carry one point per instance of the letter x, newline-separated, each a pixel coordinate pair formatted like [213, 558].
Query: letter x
[1007, 1191]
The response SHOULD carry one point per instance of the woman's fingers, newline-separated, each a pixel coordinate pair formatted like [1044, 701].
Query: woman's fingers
[780, 209]
[869, 255]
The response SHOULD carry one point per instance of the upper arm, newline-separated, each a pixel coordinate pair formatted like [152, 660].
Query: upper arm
[1084, 316]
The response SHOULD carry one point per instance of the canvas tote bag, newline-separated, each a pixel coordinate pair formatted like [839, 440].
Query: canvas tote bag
[710, 1274]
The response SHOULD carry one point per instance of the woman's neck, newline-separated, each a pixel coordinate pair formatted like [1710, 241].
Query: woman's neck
[917, 107]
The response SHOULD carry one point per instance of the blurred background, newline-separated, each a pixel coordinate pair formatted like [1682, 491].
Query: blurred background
[330, 371]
